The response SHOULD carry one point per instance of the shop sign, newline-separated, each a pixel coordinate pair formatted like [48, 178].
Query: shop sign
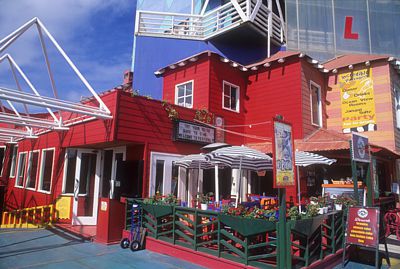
[363, 226]
[357, 101]
[219, 132]
[360, 148]
[193, 132]
[63, 207]
[284, 164]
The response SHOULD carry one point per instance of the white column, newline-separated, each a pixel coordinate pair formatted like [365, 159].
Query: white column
[216, 181]
[200, 179]
[182, 190]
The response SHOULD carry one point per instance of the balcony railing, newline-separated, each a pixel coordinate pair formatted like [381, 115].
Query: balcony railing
[212, 23]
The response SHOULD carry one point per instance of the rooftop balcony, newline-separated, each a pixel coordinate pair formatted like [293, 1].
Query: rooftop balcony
[214, 23]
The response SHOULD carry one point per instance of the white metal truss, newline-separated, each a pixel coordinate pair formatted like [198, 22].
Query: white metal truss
[206, 25]
[25, 120]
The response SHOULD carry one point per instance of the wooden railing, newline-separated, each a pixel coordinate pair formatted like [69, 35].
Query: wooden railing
[33, 217]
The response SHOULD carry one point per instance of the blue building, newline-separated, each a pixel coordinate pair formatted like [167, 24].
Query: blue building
[247, 31]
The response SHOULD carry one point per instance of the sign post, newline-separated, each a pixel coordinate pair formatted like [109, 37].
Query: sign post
[359, 150]
[362, 229]
[284, 176]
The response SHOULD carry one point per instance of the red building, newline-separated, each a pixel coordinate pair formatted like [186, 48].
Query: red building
[89, 167]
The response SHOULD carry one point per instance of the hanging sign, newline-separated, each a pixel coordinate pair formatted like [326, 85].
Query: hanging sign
[219, 132]
[360, 148]
[284, 164]
[357, 101]
[193, 132]
[363, 226]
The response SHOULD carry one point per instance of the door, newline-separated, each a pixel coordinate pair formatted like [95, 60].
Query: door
[86, 187]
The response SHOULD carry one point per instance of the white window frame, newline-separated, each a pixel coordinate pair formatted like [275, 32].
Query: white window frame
[17, 166]
[312, 83]
[65, 173]
[177, 91]
[237, 110]
[396, 91]
[28, 170]
[4, 156]
[168, 158]
[42, 155]
[14, 161]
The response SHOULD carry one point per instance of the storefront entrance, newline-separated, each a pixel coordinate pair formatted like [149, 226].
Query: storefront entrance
[86, 187]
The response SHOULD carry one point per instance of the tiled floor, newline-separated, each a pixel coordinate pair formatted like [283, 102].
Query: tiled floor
[56, 249]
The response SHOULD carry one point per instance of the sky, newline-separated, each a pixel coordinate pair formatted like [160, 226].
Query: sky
[96, 34]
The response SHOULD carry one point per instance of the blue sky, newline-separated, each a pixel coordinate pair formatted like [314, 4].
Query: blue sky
[97, 35]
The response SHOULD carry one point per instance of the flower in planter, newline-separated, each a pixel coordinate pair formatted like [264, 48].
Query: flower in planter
[293, 213]
[312, 210]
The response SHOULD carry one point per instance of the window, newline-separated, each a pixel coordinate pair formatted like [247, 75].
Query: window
[316, 107]
[14, 152]
[230, 98]
[69, 171]
[184, 94]
[46, 170]
[32, 169]
[2, 152]
[397, 104]
[21, 169]
[163, 174]
[159, 176]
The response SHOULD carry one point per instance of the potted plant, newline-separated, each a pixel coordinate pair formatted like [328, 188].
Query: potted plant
[204, 199]
[313, 200]
[293, 213]
[339, 201]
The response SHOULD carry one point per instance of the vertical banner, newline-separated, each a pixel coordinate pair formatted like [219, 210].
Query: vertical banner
[219, 132]
[357, 101]
[284, 164]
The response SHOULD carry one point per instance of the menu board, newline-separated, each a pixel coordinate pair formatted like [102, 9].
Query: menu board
[363, 226]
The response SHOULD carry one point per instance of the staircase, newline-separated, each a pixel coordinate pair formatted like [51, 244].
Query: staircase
[33, 217]
[214, 22]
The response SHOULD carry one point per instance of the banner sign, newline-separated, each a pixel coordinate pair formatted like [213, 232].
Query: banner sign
[357, 101]
[284, 164]
[193, 132]
[363, 226]
[359, 148]
[219, 132]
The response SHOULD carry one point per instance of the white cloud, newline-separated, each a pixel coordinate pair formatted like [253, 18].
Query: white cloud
[74, 25]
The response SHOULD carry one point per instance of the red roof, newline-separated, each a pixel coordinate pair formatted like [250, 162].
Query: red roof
[346, 60]
[275, 57]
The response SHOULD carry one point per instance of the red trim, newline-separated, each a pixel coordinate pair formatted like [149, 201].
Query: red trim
[192, 256]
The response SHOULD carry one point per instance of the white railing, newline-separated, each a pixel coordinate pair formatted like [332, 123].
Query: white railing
[211, 24]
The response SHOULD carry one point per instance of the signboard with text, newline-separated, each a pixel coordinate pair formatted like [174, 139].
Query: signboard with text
[360, 148]
[284, 164]
[363, 226]
[193, 132]
[357, 101]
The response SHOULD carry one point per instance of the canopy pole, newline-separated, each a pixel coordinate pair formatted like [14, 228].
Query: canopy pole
[216, 182]
[240, 182]
[298, 187]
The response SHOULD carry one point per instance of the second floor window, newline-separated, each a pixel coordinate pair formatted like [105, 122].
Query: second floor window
[396, 91]
[184, 94]
[316, 106]
[230, 97]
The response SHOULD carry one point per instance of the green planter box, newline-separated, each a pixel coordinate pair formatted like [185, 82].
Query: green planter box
[247, 227]
[307, 226]
[158, 211]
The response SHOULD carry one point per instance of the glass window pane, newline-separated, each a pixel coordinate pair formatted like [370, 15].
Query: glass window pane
[71, 167]
[174, 180]
[13, 160]
[315, 105]
[47, 169]
[227, 103]
[181, 91]
[21, 169]
[227, 90]
[189, 101]
[159, 176]
[32, 169]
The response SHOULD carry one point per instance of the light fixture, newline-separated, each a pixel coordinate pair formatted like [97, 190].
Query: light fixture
[312, 61]
[183, 63]
[159, 72]
[172, 66]
[367, 63]
[325, 70]
[281, 60]
[254, 68]
[225, 60]
[301, 55]
[390, 59]
[267, 65]
[334, 71]
[351, 67]
[235, 64]
[193, 59]
[244, 68]
[320, 66]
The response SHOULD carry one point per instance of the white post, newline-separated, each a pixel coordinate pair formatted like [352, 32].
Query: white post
[216, 182]
[298, 186]
[182, 193]
[240, 183]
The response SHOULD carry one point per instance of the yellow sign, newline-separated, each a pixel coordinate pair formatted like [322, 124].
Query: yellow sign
[358, 101]
[63, 207]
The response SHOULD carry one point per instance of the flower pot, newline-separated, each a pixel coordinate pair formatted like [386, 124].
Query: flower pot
[203, 206]
[313, 203]
[325, 209]
[338, 206]
[321, 210]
